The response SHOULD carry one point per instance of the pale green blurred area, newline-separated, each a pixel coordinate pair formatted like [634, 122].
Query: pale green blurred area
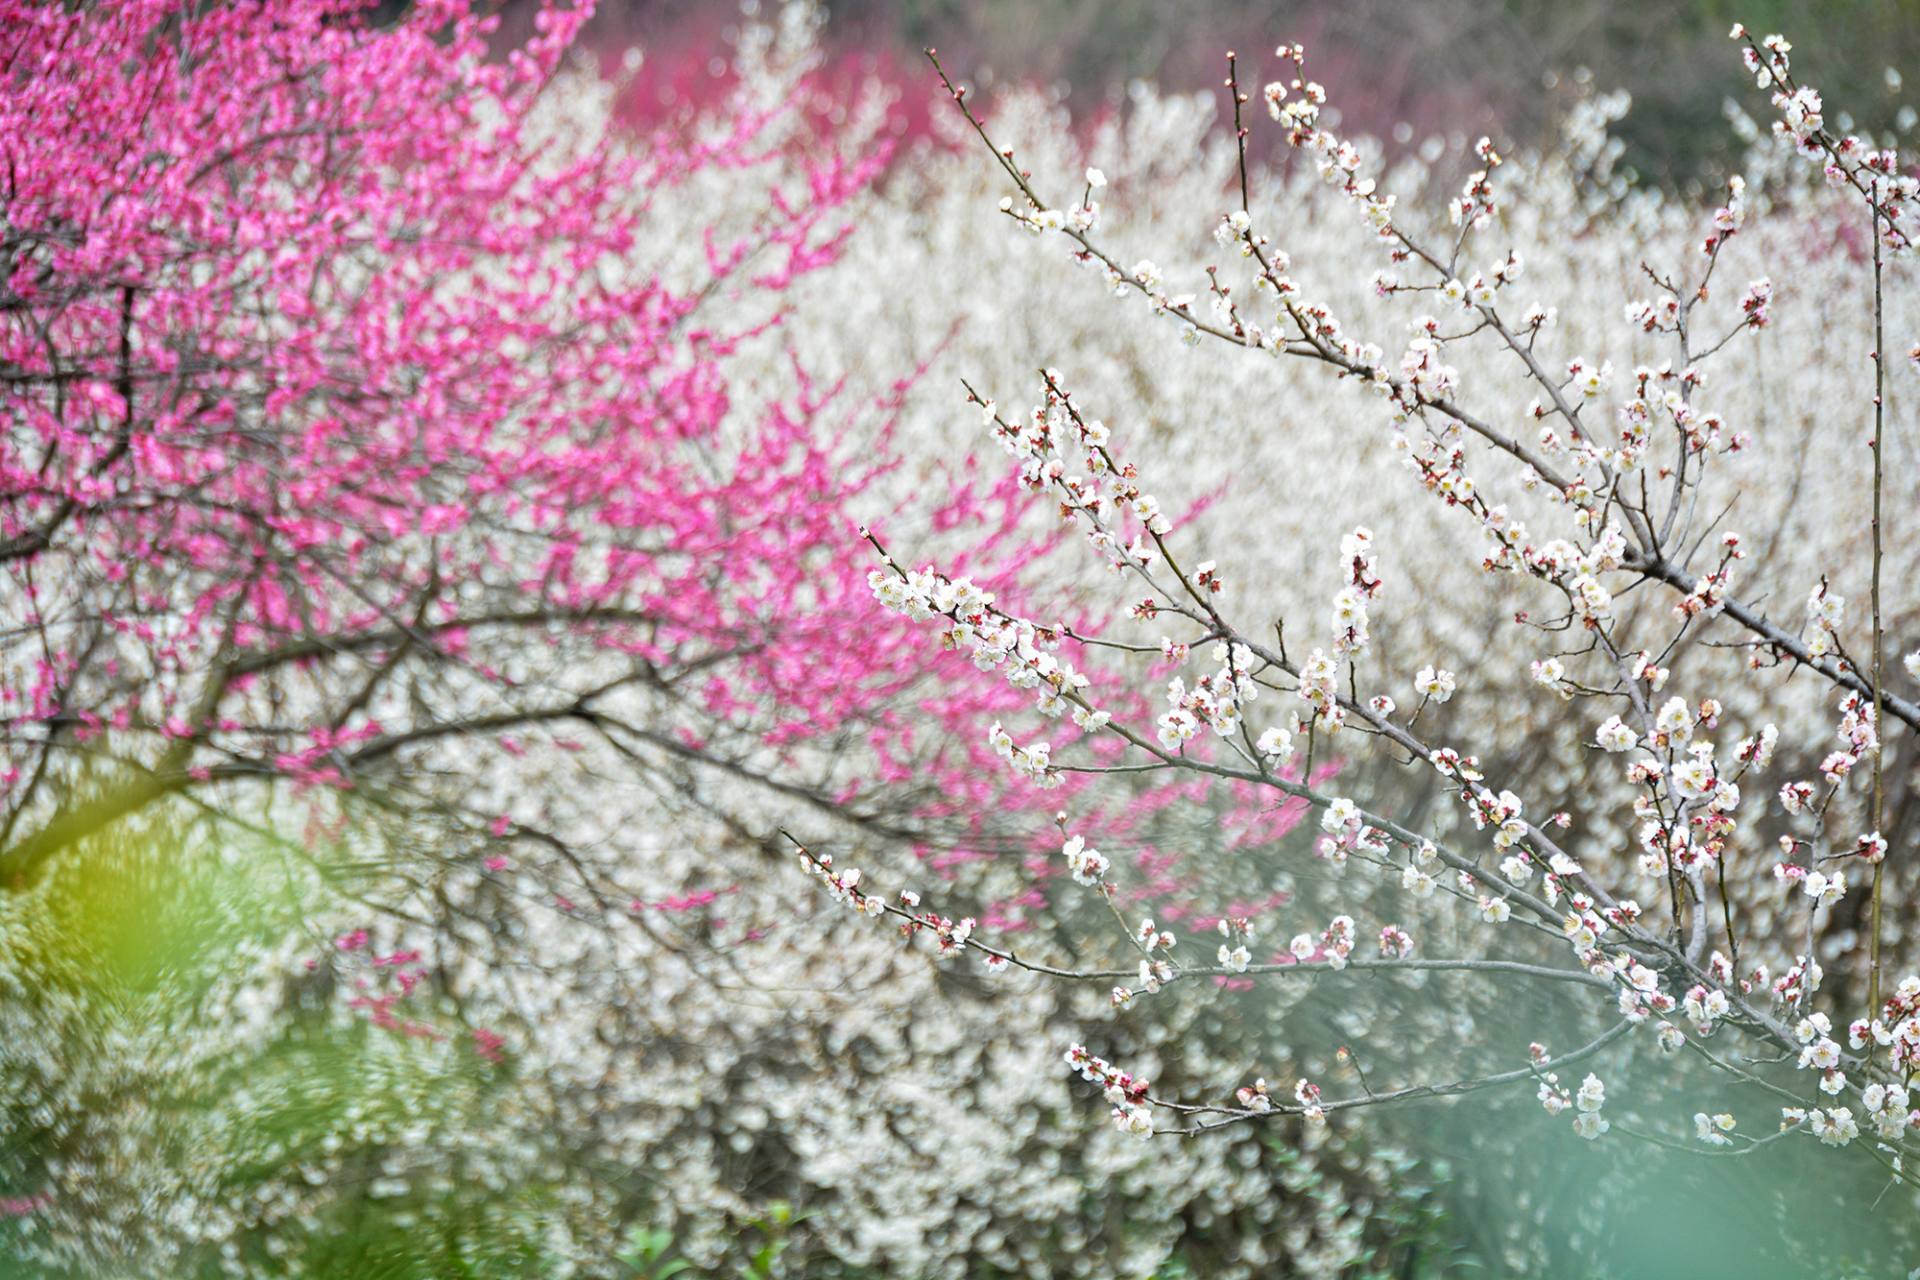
[166, 1052]
[161, 1033]
[152, 913]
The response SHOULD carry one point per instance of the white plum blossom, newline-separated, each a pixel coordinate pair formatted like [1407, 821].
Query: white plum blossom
[1713, 1129]
[1431, 682]
[1276, 744]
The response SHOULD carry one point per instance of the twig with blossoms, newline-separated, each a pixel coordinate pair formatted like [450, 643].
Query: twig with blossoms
[849, 888]
[1685, 796]
[1426, 383]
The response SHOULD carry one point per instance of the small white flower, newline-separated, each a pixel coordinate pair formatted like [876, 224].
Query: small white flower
[1822, 1055]
[1675, 720]
[1708, 1129]
[1693, 778]
[1615, 736]
[1417, 882]
[1137, 1121]
[1823, 889]
[1277, 744]
[1339, 815]
[1834, 1127]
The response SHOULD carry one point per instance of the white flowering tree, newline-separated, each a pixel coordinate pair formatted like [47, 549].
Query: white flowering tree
[1717, 889]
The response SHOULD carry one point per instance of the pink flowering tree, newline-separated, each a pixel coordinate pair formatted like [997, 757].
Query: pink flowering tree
[1714, 916]
[389, 488]
[349, 435]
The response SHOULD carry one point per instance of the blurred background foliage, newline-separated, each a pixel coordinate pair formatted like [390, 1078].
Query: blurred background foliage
[141, 956]
[1415, 68]
[140, 1013]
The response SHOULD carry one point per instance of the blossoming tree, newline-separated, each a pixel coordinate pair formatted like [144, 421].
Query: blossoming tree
[1595, 499]
[346, 427]
[359, 464]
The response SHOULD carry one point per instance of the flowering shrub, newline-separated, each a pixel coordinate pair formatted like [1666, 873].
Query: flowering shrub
[1600, 496]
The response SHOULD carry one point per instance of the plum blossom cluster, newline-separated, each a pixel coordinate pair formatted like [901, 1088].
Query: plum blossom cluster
[1234, 954]
[950, 937]
[1026, 654]
[1157, 969]
[1846, 160]
[1052, 445]
[1895, 1028]
[1123, 1092]
[1586, 1102]
[1087, 865]
[1347, 834]
[1214, 701]
[1333, 945]
[842, 886]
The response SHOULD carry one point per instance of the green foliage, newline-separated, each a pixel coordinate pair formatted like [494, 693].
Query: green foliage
[651, 1253]
[335, 1148]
